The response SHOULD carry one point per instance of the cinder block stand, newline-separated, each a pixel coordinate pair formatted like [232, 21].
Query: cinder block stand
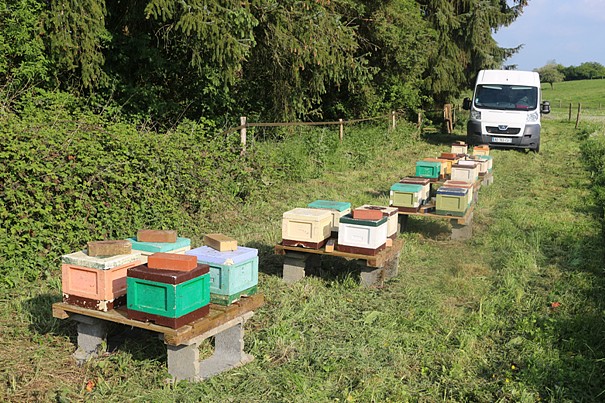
[226, 324]
[375, 270]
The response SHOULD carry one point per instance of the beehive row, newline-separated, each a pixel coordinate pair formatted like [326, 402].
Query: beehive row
[445, 184]
[364, 230]
[159, 277]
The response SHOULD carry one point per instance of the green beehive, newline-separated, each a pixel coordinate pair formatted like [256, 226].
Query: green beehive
[406, 195]
[428, 169]
[160, 293]
[452, 201]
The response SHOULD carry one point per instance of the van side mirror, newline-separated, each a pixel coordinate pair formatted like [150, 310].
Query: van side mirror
[466, 104]
[545, 107]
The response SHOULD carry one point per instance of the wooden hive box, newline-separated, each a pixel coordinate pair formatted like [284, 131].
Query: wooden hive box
[306, 227]
[489, 159]
[406, 195]
[429, 169]
[464, 185]
[471, 164]
[366, 237]
[459, 147]
[391, 213]
[233, 274]
[338, 209]
[168, 298]
[444, 165]
[96, 282]
[481, 150]
[451, 201]
[181, 246]
[465, 173]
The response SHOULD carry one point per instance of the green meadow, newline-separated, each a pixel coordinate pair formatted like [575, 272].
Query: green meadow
[514, 314]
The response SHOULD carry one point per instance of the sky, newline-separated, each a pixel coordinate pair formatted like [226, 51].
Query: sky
[569, 32]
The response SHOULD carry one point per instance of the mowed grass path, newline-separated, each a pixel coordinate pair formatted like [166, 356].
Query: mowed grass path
[515, 314]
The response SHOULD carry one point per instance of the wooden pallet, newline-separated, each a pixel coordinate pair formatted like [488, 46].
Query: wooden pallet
[377, 260]
[219, 315]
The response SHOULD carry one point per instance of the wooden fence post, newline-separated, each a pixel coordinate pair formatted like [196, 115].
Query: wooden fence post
[569, 118]
[393, 122]
[419, 119]
[243, 122]
[341, 130]
[578, 117]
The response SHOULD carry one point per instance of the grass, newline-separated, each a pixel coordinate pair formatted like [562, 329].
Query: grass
[515, 314]
[590, 93]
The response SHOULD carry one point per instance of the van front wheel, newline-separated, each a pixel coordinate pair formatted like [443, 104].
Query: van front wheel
[536, 148]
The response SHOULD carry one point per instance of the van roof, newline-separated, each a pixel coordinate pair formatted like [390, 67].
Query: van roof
[516, 77]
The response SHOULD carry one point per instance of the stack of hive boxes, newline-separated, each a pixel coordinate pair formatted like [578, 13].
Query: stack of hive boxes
[364, 232]
[481, 153]
[170, 290]
[307, 227]
[336, 208]
[233, 268]
[148, 242]
[96, 277]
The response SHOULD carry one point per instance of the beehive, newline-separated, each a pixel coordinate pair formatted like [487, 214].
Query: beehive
[472, 164]
[338, 209]
[407, 195]
[365, 237]
[464, 185]
[444, 165]
[489, 159]
[96, 282]
[181, 246]
[451, 201]
[465, 172]
[429, 169]
[168, 298]
[481, 150]
[233, 274]
[306, 227]
[391, 213]
[459, 147]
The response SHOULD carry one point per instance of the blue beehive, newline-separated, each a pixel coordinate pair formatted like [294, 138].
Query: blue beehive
[232, 274]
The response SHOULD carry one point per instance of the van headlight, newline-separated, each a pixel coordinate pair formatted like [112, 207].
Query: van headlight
[475, 114]
[533, 117]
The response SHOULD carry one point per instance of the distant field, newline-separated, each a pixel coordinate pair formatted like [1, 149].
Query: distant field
[590, 93]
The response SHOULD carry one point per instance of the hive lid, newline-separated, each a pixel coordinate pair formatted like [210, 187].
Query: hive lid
[465, 166]
[406, 187]
[483, 157]
[348, 219]
[416, 180]
[452, 191]
[330, 205]
[82, 259]
[206, 254]
[159, 246]
[164, 276]
[308, 214]
[467, 163]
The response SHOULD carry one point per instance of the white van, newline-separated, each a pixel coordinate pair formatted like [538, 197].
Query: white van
[504, 109]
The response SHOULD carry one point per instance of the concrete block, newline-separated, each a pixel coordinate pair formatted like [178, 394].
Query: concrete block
[372, 277]
[296, 265]
[109, 248]
[92, 334]
[462, 232]
[183, 362]
[152, 235]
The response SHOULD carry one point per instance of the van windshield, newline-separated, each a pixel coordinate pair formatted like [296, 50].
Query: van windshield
[506, 97]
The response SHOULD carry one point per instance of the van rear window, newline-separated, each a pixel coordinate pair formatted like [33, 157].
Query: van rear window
[506, 97]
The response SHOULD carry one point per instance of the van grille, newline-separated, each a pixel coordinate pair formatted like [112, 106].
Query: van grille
[496, 130]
